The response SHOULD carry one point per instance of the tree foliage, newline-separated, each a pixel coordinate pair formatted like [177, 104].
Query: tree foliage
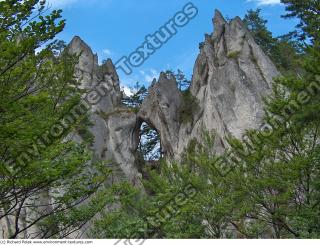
[44, 175]
[258, 28]
[182, 82]
[308, 12]
[285, 51]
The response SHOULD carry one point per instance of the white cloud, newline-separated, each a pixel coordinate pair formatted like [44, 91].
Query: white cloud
[68, 3]
[107, 52]
[144, 77]
[38, 50]
[148, 76]
[266, 2]
[126, 90]
[61, 3]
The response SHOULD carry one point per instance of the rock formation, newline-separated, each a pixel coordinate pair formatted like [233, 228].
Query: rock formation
[230, 77]
[160, 109]
[113, 124]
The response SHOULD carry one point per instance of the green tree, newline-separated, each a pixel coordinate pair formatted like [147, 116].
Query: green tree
[308, 13]
[284, 51]
[138, 93]
[182, 82]
[277, 174]
[38, 158]
[205, 214]
[258, 28]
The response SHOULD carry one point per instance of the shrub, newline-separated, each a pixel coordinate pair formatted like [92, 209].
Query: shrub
[189, 107]
[233, 54]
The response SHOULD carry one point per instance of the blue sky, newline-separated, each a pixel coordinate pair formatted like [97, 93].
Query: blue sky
[115, 28]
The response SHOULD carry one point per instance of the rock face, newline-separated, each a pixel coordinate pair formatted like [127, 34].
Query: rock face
[113, 124]
[230, 77]
[160, 109]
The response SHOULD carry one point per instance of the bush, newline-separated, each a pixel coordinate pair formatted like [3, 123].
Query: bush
[233, 54]
[189, 107]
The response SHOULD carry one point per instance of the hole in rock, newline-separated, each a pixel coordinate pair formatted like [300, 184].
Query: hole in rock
[149, 149]
[149, 146]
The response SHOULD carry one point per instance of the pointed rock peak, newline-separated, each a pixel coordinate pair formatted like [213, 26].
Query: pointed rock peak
[166, 78]
[163, 76]
[109, 69]
[109, 64]
[218, 19]
[218, 24]
[77, 45]
[76, 39]
[238, 21]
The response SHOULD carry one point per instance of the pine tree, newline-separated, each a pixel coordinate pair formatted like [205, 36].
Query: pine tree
[182, 82]
[284, 51]
[37, 156]
[257, 26]
[308, 12]
[138, 93]
[149, 146]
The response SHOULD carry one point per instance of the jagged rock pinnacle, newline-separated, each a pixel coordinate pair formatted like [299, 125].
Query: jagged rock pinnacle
[218, 18]
[218, 23]
[87, 60]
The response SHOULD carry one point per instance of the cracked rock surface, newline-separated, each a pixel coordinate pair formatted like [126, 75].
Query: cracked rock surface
[113, 125]
[230, 77]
